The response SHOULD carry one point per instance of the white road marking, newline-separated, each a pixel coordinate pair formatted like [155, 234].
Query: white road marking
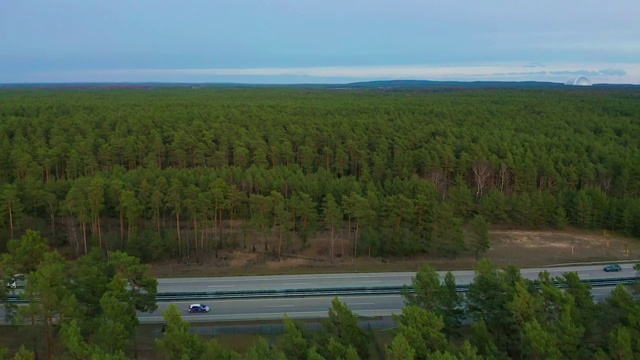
[362, 303]
[215, 286]
[289, 284]
[278, 306]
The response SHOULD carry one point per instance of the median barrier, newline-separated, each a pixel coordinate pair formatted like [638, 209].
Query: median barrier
[353, 291]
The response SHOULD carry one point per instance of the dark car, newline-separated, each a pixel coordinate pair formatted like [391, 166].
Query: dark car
[198, 308]
[614, 267]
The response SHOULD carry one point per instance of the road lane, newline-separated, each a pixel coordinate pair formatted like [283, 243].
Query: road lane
[299, 308]
[275, 309]
[345, 280]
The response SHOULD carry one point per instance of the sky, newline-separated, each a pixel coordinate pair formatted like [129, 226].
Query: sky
[318, 41]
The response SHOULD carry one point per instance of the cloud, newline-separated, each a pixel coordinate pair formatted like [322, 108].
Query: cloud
[522, 73]
[575, 72]
[613, 72]
[605, 72]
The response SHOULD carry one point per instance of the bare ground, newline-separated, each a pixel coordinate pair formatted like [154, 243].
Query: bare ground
[522, 248]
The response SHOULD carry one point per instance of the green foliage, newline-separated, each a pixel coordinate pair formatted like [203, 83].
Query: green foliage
[83, 160]
[260, 350]
[119, 318]
[50, 299]
[294, 343]
[422, 329]
[213, 350]
[177, 342]
[142, 288]
[538, 343]
[429, 294]
[479, 235]
[400, 349]
[24, 354]
[77, 348]
[342, 326]
[26, 253]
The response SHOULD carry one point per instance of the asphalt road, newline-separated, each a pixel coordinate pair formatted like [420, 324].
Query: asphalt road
[298, 308]
[317, 307]
[281, 282]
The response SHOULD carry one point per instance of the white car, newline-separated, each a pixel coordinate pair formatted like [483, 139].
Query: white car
[198, 308]
[17, 281]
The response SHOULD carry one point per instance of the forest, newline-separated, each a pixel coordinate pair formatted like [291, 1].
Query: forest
[181, 173]
[87, 309]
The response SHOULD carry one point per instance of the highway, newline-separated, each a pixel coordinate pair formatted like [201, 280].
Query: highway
[225, 310]
[281, 282]
[298, 308]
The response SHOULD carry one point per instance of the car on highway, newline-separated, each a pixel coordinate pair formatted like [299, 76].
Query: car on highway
[613, 267]
[198, 308]
[17, 281]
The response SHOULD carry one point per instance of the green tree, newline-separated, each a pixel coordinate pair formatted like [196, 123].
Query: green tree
[50, 301]
[400, 349]
[422, 329]
[24, 354]
[10, 206]
[427, 290]
[342, 325]
[213, 350]
[447, 231]
[482, 339]
[142, 289]
[294, 343]
[341, 351]
[332, 217]
[96, 199]
[260, 350]
[480, 235]
[538, 343]
[77, 348]
[260, 216]
[119, 320]
[306, 214]
[620, 344]
[177, 342]
[26, 254]
[176, 203]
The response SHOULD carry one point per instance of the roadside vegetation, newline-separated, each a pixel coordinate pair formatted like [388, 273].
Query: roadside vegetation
[81, 309]
[194, 174]
[87, 309]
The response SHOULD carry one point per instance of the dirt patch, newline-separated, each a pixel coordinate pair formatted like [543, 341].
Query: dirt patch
[522, 248]
[531, 248]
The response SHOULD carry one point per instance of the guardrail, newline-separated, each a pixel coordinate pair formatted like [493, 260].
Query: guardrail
[354, 291]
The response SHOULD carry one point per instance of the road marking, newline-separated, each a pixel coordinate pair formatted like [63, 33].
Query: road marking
[289, 284]
[369, 282]
[362, 304]
[221, 286]
[278, 306]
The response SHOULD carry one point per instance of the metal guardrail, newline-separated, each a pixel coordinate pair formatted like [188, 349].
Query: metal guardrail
[379, 290]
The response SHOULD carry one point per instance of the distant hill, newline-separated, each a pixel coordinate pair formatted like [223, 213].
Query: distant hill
[385, 85]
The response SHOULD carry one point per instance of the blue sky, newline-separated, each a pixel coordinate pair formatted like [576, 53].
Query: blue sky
[318, 41]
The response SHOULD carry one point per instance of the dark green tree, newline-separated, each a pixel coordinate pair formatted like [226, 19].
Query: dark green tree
[480, 242]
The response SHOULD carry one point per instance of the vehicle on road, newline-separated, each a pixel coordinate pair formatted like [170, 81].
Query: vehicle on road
[198, 308]
[17, 281]
[613, 267]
